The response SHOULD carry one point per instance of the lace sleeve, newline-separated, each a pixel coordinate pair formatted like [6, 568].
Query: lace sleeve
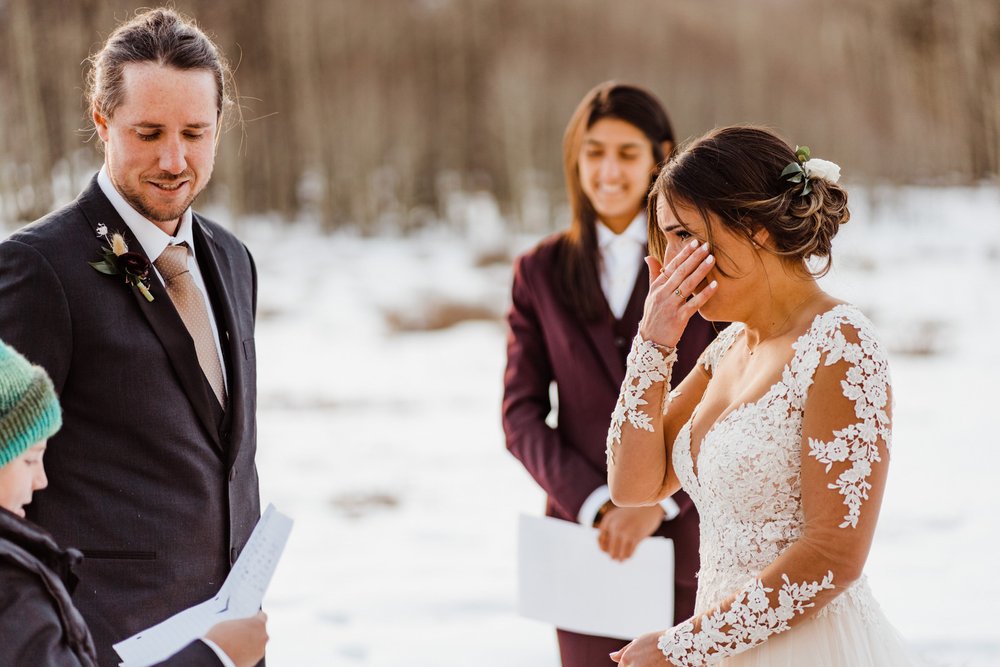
[648, 365]
[845, 404]
[646, 418]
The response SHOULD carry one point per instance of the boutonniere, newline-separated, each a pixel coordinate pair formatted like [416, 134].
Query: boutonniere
[118, 261]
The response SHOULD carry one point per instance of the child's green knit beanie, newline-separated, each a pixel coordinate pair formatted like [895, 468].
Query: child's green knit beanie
[29, 409]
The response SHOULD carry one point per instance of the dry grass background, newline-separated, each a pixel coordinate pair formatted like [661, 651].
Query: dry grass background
[371, 113]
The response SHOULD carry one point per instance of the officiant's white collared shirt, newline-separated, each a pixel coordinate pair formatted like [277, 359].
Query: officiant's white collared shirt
[621, 260]
[154, 241]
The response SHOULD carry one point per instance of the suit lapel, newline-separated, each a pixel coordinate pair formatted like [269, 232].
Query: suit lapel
[601, 335]
[215, 268]
[636, 303]
[601, 332]
[159, 313]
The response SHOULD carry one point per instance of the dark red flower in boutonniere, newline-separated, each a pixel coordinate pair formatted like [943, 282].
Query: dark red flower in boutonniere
[135, 264]
[118, 260]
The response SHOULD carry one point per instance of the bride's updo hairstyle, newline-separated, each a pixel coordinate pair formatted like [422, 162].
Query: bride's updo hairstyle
[735, 173]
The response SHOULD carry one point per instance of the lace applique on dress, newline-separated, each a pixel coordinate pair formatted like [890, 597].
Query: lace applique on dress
[748, 621]
[866, 385]
[710, 358]
[747, 487]
[858, 596]
[648, 363]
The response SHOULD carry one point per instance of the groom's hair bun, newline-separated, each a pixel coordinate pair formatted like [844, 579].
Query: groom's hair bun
[735, 173]
[162, 36]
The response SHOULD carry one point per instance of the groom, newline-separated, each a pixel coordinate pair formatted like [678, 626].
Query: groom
[152, 475]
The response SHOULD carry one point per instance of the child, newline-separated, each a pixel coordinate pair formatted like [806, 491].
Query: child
[38, 622]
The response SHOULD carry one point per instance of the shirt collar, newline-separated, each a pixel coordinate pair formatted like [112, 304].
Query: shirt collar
[152, 239]
[636, 231]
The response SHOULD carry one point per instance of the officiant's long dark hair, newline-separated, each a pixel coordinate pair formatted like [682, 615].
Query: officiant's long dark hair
[577, 278]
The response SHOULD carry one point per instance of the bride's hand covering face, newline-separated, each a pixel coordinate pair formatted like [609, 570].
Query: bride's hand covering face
[670, 304]
[681, 287]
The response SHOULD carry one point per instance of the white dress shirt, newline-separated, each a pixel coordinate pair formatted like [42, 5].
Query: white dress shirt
[621, 260]
[154, 241]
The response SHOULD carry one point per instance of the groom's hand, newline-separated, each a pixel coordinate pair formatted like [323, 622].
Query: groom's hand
[622, 528]
[243, 640]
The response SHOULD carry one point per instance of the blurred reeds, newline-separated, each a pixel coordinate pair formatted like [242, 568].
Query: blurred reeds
[372, 113]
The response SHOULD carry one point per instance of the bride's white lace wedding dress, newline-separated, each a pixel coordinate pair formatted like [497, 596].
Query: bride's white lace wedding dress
[788, 488]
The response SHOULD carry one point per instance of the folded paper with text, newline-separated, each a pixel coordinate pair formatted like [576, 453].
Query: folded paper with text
[240, 597]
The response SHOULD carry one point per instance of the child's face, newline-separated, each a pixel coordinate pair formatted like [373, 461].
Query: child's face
[22, 477]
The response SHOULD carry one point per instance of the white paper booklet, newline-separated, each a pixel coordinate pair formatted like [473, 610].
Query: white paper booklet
[240, 596]
[566, 580]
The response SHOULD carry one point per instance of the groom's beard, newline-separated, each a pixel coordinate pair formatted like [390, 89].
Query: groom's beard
[160, 211]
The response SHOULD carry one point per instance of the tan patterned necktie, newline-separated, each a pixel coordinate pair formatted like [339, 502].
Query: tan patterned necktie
[190, 303]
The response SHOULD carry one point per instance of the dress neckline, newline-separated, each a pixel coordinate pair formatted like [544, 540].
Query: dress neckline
[785, 372]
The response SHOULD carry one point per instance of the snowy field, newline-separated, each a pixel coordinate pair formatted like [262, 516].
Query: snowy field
[380, 366]
[380, 434]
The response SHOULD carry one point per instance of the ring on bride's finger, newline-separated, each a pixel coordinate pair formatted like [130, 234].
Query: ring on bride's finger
[678, 293]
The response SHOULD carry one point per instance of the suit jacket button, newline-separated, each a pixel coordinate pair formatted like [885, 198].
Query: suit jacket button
[225, 436]
[619, 341]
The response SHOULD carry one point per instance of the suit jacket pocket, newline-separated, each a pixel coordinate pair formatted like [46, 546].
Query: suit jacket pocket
[114, 554]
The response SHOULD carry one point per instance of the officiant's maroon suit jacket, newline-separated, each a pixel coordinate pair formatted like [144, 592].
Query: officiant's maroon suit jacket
[149, 477]
[547, 342]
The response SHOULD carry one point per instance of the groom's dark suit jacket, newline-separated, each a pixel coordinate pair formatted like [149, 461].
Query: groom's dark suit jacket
[149, 477]
[547, 342]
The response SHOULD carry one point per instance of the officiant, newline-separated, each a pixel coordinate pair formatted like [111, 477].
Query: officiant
[577, 299]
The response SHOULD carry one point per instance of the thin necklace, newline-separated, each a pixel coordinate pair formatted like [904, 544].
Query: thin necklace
[777, 329]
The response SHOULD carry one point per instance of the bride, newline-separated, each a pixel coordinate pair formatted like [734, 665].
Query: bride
[780, 435]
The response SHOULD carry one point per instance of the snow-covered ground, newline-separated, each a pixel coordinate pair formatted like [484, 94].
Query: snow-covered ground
[381, 436]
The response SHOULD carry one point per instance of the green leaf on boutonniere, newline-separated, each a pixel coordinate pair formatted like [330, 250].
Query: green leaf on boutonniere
[105, 267]
[117, 260]
[807, 188]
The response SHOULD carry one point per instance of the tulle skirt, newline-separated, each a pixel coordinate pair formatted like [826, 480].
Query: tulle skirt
[851, 632]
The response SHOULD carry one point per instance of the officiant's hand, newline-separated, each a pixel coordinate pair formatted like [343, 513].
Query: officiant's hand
[243, 640]
[622, 528]
[642, 652]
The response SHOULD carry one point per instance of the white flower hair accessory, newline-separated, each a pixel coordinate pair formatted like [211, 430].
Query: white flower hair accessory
[807, 168]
